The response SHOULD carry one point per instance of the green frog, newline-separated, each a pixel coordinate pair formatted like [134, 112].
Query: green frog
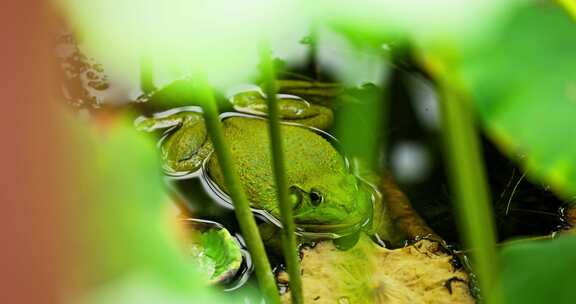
[325, 196]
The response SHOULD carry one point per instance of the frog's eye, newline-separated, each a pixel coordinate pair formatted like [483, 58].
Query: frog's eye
[316, 197]
[295, 197]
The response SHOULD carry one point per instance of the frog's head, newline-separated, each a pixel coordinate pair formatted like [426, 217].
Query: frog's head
[335, 203]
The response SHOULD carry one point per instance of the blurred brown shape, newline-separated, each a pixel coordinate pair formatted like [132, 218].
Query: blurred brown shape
[401, 212]
[33, 204]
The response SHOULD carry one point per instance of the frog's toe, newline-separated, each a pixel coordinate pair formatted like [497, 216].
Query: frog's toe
[186, 145]
[250, 102]
[146, 124]
[185, 150]
[291, 108]
[167, 119]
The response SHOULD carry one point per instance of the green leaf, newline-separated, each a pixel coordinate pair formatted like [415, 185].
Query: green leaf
[217, 254]
[540, 272]
[523, 79]
[124, 238]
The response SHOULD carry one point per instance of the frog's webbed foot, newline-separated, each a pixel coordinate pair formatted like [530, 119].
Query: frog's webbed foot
[186, 144]
[292, 109]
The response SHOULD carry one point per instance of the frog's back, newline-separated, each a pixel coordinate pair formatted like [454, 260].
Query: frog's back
[308, 157]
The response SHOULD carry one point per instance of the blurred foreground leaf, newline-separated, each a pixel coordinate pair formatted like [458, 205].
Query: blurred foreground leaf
[181, 36]
[362, 113]
[373, 22]
[540, 272]
[523, 79]
[130, 253]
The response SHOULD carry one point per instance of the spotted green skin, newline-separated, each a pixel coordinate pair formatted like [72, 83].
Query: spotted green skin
[312, 165]
[325, 197]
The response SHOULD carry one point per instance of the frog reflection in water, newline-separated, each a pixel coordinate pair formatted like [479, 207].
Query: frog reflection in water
[325, 197]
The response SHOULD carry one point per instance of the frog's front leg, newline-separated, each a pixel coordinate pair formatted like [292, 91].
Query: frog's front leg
[272, 238]
[291, 108]
[186, 145]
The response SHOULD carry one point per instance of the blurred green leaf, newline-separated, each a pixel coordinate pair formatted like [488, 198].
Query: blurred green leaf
[540, 272]
[373, 22]
[218, 38]
[523, 79]
[176, 93]
[125, 235]
[362, 113]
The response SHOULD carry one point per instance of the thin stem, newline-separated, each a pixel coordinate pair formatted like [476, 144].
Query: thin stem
[469, 181]
[288, 227]
[146, 74]
[241, 205]
[514, 192]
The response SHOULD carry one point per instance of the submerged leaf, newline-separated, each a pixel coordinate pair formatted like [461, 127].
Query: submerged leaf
[217, 254]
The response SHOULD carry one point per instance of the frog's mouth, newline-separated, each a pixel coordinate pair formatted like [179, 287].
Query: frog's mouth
[344, 228]
[340, 224]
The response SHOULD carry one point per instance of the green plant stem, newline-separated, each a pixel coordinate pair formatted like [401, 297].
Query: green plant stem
[468, 180]
[241, 205]
[146, 74]
[288, 228]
